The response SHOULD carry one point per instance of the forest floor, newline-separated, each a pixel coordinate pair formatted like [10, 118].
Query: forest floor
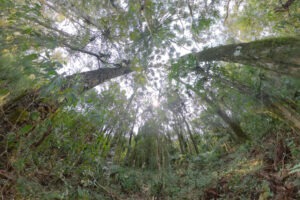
[262, 171]
[265, 174]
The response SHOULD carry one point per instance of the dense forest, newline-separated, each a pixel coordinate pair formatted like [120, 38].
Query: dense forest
[150, 99]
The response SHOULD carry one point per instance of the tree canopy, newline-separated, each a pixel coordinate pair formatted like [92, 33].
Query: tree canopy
[149, 99]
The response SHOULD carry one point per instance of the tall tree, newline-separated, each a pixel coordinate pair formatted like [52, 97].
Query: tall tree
[280, 55]
[281, 107]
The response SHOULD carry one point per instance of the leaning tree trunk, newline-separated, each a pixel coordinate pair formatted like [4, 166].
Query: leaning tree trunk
[280, 55]
[280, 107]
[233, 124]
[17, 112]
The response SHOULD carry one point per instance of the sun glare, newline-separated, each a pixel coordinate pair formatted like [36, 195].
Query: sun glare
[155, 103]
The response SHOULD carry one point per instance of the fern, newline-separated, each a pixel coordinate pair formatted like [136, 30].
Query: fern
[295, 169]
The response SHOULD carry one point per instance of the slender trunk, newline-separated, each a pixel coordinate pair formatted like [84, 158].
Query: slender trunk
[181, 143]
[129, 148]
[158, 154]
[181, 138]
[132, 127]
[130, 137]
[234, 125]
[280, 55]
[190, 134]
[121, 123]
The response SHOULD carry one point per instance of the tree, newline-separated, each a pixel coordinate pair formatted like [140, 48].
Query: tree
[281, 107]
[280, 55]
[13, 111]
[212, 102]
[27, 108]
[67, 144]
[148, 151]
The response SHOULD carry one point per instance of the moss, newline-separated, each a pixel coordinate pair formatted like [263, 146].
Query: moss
[274, 42]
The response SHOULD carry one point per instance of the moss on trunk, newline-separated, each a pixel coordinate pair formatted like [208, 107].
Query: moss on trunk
[281, 55]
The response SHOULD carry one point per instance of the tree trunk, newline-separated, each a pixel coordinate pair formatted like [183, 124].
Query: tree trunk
[181, 140]
[19, 112]
[234, 125]
[93, 78]
[275, 105]
[280, 55]
[190, 133]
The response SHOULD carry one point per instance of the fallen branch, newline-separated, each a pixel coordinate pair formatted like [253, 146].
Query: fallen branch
[4, 175]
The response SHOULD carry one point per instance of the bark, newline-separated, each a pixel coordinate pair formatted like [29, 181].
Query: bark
[93, 78]
[280, 55]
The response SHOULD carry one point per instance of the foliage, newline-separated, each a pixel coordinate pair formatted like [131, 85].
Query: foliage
[169, 130]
